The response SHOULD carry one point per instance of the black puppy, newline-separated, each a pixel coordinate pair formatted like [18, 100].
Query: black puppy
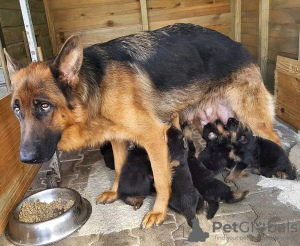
[136, 179]
[212, 190]
[267, 157]
[185, 198]
[107, 153]
[215, 156]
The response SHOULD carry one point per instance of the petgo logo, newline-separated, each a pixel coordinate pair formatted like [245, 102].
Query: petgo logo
[252, 226]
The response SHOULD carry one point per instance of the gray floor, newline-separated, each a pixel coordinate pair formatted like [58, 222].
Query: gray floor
[270, 214]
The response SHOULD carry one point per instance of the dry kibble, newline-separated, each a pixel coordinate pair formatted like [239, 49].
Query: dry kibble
[41, 211]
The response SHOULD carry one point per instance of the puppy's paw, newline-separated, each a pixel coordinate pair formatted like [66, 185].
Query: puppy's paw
[229, 178]
[243, 174]
[281, 175]
[153, 219]
[108, 196]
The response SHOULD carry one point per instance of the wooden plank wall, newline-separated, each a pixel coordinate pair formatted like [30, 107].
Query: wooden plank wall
[283, 34]
[15, 176]
[101, 20]
[12, 26]
[250, 26]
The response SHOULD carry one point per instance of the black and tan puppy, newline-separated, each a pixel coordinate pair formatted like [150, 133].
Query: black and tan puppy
[212, 190]
[215, 156]
[265, 156]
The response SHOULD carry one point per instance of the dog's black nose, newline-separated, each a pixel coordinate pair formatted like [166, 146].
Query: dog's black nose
[28, 156]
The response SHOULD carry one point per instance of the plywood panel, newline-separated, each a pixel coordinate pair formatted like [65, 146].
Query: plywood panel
[287, 90]
[15, 176]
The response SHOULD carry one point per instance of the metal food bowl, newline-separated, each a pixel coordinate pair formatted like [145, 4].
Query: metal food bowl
[53, 230]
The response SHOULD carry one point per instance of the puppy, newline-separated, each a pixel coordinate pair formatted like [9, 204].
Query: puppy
[185, 198]
[265, 156]
[136, 179]
[212, 190]
[107, 153]
[215, 156]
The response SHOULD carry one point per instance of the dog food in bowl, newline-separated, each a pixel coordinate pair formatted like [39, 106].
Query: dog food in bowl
[33, 212]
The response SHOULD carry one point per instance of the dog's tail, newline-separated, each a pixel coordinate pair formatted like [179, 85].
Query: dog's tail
[211, 210]
[235, 197]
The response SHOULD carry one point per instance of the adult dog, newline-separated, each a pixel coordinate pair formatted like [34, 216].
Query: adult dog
[127, 89]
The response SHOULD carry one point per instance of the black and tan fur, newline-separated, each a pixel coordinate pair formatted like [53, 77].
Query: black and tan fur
[119, 90]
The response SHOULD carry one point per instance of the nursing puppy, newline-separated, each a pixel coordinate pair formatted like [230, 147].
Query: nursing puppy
[215, 156]
[212, 190]
[121, 89]
[265, 156]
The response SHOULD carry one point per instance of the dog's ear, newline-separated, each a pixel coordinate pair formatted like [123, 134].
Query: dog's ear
[69, 60]
[12, 65]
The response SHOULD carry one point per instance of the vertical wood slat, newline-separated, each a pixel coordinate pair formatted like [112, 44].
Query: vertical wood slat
[299, 47]
[144, 13]
[236, 10]
[263, 37]
[50, 26]
[4, 67]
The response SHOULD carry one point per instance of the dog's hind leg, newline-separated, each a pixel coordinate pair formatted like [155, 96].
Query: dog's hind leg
[234, 197]
[212, 209]
[120, 155]
[236, 171]
[252, 103]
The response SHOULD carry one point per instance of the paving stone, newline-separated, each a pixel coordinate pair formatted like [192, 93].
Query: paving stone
[122, 238]
[71, 241]
[288, 237]
[160, 236]
[267, 207]
[4, 241]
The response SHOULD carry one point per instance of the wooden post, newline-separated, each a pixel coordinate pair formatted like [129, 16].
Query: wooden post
[4, 67]
[263, 37]
[50, 26]
[144, 13]
[299, 47]
[236, 9]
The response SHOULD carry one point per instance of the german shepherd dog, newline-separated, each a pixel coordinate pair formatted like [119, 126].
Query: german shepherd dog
[126, 90]
[266, 157]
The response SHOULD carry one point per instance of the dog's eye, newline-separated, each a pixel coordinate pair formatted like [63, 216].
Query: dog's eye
[45, 107]
[17, 109]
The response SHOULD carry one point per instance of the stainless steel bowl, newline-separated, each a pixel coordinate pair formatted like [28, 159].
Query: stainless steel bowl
[52, 230]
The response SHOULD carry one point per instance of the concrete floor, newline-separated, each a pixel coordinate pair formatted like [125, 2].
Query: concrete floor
[270, 214]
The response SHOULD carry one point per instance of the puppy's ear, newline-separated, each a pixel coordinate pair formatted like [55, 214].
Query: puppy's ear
[69, 60]
[12, 65]
[212, 136]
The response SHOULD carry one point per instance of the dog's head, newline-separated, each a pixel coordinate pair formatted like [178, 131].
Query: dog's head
[244, 137]
[215, 132]
[41, 100]
[232, 124]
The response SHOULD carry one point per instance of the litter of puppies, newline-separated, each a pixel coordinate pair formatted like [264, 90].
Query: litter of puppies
[194, 187]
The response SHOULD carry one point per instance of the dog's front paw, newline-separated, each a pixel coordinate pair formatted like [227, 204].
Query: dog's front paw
[153, 219]
[108, 196]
